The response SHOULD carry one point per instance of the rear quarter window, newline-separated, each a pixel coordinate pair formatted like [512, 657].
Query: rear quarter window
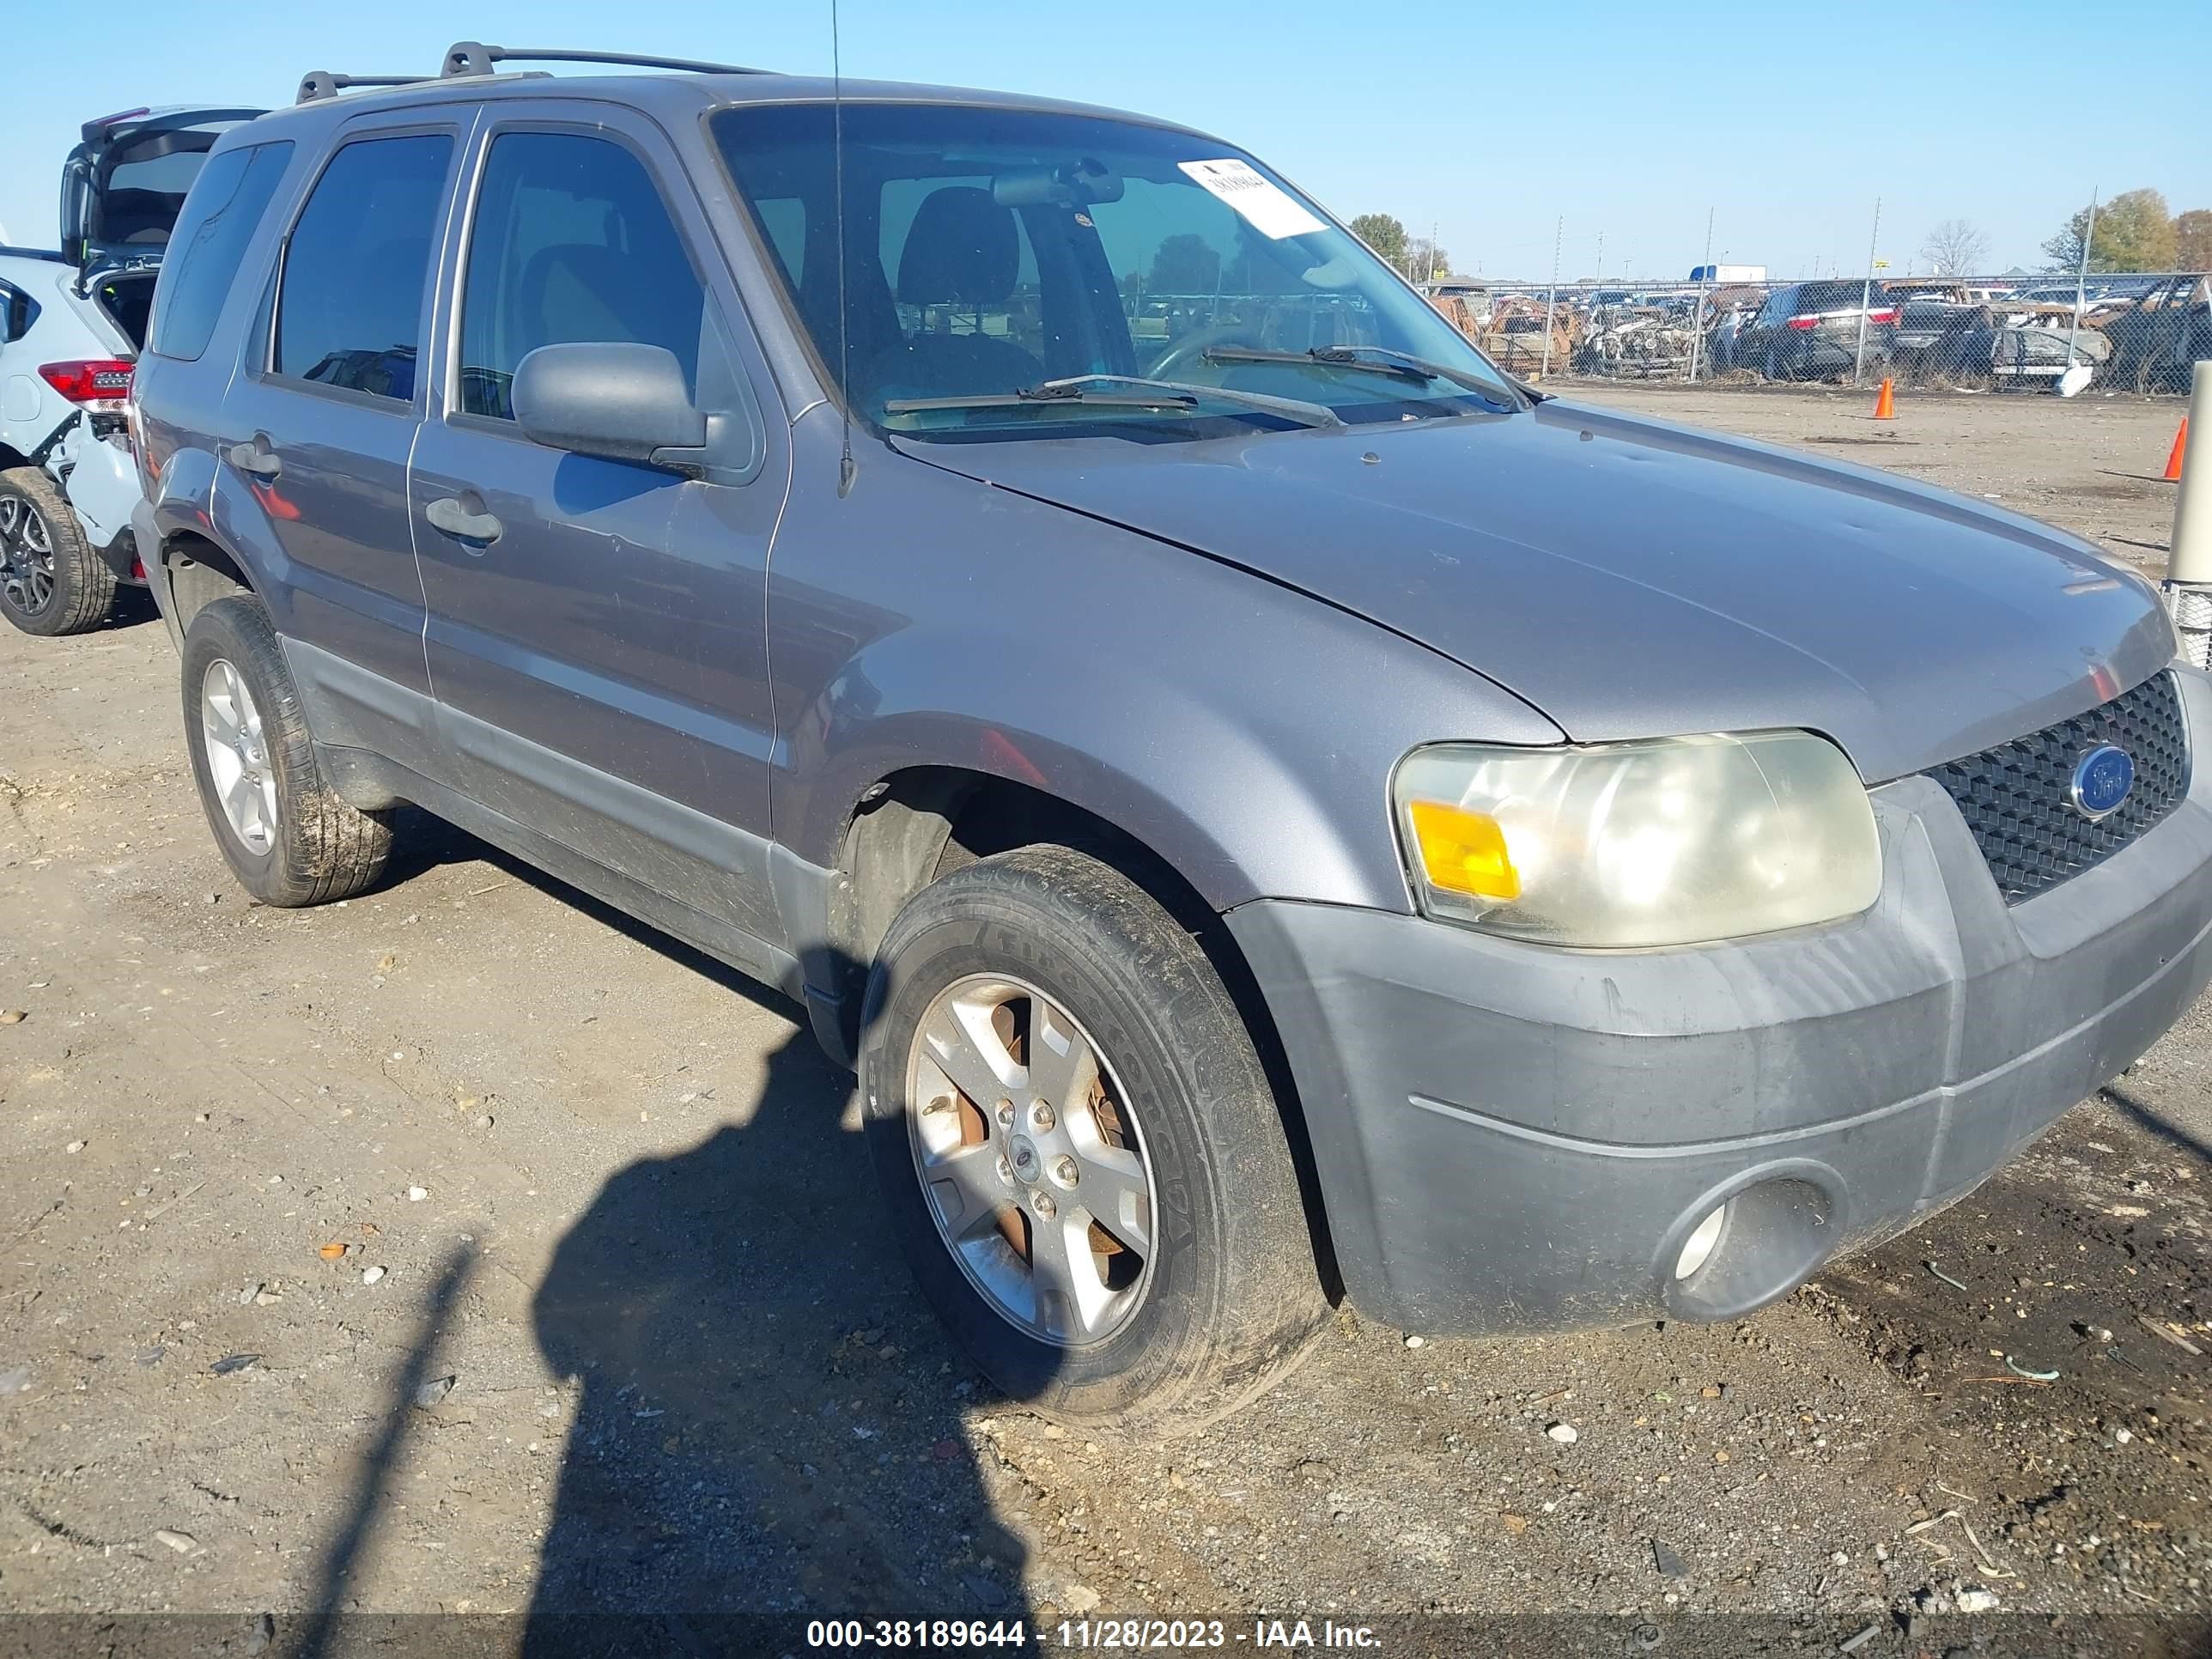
[1836, 296]
[225, 206]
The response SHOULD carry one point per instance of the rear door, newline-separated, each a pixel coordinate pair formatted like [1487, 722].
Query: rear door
[316, 429]
[596, 629]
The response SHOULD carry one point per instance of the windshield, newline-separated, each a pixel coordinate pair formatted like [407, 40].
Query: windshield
[992, 251]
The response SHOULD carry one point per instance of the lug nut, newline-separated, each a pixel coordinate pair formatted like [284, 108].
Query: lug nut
[1006, 1172]
[1042, 1203]
[1007, 1114]
[1041, 1117]
[1064, 1171]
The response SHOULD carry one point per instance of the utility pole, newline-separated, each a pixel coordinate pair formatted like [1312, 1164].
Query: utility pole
[2080, 275]
[1866, 293]
[1551, 301]
[1698, 317]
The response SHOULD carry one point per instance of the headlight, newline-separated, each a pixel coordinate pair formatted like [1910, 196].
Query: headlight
[1672, 842]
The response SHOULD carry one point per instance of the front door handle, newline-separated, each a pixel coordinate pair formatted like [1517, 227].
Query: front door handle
[255, 459]
[459, 516]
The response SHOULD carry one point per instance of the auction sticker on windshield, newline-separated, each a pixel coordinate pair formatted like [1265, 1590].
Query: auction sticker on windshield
[1265, 207]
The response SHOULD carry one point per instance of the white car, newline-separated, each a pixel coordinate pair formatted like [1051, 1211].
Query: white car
[71, 323]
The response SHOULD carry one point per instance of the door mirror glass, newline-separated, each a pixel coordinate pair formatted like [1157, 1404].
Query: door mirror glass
[616, 399]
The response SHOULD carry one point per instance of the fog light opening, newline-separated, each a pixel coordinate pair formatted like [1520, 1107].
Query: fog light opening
[1699, 1246]
[1760, 1242]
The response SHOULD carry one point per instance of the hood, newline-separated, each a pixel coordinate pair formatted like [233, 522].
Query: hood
[123, 185]
[1630, 577]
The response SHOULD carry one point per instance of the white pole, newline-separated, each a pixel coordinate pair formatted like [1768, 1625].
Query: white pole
[1551, 301]
[2188, 562]
[1866, 293]
[2080, 275]
[1698, 317]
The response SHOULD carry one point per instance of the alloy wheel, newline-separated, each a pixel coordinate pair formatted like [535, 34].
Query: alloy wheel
[26, 557]
[237, 756]
[1030, 1160]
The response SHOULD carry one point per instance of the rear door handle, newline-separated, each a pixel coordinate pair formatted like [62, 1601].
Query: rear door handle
[458, 516]
[256, 458]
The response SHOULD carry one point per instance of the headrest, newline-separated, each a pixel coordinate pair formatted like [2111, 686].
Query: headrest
[963, 249]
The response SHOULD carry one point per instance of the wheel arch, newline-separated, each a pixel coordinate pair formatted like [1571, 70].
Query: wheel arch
[197, 571]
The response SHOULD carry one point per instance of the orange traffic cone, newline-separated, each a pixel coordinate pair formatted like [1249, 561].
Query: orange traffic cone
[1885, 403]
[2173, 459]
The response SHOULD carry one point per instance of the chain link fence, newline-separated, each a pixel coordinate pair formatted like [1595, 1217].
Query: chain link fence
[2135, 333]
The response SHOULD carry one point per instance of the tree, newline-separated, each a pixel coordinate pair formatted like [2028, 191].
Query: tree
[2192, 239]
[2134, 233]
[1955, 248]
[1384, 233]
[1425, 259]
[1186, 263]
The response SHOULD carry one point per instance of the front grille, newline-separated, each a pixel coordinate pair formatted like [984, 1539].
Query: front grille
[2014, 797]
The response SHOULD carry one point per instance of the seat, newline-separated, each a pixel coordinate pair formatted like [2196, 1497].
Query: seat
[573, 291]
[963, 250]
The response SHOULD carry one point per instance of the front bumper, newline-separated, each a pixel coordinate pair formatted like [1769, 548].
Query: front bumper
[1511, 1137]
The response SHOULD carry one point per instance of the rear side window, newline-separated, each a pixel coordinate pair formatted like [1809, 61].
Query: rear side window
[350, 309]
[1836, 296]
[220, 214]
[571, 243]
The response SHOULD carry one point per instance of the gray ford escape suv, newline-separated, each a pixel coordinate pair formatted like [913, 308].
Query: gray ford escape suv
[1270, 805]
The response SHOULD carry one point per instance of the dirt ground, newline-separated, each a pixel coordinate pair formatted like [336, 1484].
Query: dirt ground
[467, 1249]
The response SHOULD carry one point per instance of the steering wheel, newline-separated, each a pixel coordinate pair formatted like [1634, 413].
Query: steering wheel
[1195, 345]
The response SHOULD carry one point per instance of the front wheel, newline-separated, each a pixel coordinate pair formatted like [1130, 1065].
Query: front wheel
[1080, 1153]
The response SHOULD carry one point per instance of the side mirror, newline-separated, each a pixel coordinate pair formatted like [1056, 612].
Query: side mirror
[622, 402]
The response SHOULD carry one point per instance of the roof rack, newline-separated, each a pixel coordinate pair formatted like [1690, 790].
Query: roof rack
[474, 57]
[319, 85]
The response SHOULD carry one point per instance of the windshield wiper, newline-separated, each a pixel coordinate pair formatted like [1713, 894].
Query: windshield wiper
[1106, 391]
[1368, 359]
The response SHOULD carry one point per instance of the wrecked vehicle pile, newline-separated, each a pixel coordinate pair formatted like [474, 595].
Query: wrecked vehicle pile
[2131, 334]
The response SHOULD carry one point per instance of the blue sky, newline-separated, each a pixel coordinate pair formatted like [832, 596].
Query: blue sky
[1488, 121]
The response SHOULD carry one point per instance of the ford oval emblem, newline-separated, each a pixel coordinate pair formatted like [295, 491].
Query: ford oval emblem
[2102, 779]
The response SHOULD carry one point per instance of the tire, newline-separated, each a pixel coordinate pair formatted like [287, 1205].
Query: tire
[51, 581]
[239, 702]
[1226, 1295]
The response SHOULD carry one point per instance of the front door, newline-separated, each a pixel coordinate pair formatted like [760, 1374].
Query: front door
[596, 628]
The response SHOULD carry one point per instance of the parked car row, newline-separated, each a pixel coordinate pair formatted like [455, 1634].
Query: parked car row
[72, 322]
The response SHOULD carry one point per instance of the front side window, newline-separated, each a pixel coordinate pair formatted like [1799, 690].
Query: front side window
[993, 252]
[571, 244]
[350, 308]
[221, 215]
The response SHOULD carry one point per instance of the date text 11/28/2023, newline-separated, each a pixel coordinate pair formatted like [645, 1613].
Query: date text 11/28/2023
[1089, 1635]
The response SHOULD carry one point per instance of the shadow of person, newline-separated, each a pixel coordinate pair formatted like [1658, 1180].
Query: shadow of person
[768, 1424]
